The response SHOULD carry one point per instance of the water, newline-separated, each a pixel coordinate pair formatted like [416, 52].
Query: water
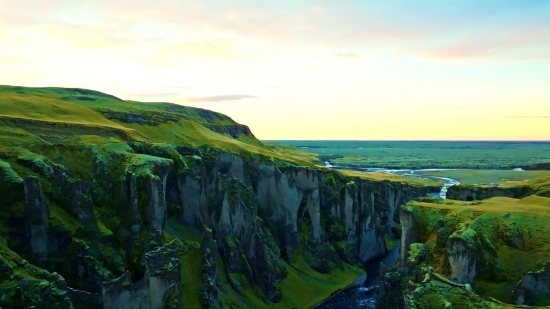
[353, 297]
[362, 296]
[447, 182]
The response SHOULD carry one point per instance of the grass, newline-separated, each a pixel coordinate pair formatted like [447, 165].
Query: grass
[191, 272]
[52, 114]
[489, 176]
[305, 287]
[427, 154]
[380, 176]
[295, 152]
[531, 205]
[500, 219]
[43, 117]
[302, 288]
[390, 241]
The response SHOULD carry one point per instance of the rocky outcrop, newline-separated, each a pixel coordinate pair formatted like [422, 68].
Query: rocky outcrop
[409, 228]
[422, 288]
[29, 285]
[478, 250]
[161, 283]
[473, 193]
[532, 287]
[36, 220]
[430, 290]
[210, 295]
[537, 166]
[234, 130]
[467, 253]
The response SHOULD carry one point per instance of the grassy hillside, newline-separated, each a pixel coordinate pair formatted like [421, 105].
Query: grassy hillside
[517, 228]
[48, 115]
[41, 117]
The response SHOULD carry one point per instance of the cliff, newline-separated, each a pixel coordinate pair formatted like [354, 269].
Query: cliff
[514, 189]
[108, 203]
[475, 192]
[490, 254]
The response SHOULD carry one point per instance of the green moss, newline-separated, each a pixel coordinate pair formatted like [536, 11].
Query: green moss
[390, 241]
[192, 264]
[540, 301]
[512, 234]
[337, 230]
[166, 238]
[64, 217]
[170, 301]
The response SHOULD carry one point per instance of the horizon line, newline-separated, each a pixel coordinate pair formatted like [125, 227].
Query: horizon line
[399, 140]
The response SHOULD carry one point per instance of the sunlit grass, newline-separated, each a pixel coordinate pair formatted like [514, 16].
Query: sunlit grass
[499, 219]
[489, 176]
[390, 177]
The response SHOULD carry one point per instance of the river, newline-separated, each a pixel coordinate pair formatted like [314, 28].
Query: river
[447, 182]
[364, 295]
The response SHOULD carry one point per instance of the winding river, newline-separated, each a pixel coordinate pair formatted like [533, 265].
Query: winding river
[363, 295]
[447, 182]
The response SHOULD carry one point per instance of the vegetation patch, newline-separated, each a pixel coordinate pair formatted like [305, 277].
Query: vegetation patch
[517, 228]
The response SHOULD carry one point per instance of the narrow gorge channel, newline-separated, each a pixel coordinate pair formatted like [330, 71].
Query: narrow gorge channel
[363, 292]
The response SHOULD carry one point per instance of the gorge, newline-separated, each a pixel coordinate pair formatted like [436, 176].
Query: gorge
[107, 203]
[114, 204]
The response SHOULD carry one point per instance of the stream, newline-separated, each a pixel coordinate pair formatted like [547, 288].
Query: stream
[364, 295]
[447, 182]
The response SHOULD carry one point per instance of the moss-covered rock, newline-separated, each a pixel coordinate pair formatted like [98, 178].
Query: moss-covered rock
[23, 284]
[486, 245]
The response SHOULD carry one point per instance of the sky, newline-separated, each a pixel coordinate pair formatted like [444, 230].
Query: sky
[346, 70]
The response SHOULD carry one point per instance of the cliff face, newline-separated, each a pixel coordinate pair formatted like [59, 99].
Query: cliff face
[475, 251]
[113, 204]
[473, 193]
[262, 217]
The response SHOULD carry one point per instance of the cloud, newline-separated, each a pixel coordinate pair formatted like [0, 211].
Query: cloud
[151, 95]
[21, 74]
[90, 36]
[525, 117]
[347, 55]
[218, 29]
[220, 98]
[13, 60]
[204, 49]
[219, 88]
[521, 43]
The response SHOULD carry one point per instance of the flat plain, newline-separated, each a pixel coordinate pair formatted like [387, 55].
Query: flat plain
[428, 154]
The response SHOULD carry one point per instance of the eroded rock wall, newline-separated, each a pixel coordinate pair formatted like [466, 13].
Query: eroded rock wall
[473, 193]
[261, 214]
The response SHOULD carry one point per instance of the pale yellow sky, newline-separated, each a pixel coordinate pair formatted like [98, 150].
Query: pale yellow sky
[313, 70]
